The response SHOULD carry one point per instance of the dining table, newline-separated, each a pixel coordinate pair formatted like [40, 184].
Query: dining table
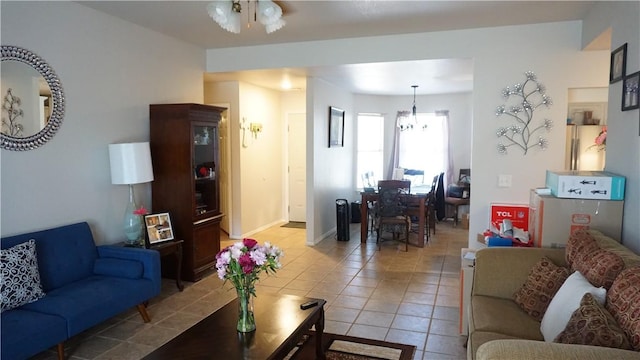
[416, 207]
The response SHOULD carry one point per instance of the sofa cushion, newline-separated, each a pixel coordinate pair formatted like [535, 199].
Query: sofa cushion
[92, 300]
[65, 253]
[623, 302]
[20, 275]
[580, 242]
[600, 267]
[503, 316]
[592, 324]
[565, 302]
[26, 333]
[544, 280]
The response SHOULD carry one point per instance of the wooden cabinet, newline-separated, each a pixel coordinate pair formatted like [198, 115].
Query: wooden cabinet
[185, 155]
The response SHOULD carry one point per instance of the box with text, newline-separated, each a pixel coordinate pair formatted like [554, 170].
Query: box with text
[517, 213]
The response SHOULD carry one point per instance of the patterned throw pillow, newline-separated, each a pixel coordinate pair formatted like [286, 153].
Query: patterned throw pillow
[544, 280]
[600, 267]
[20, 276]
[592, 324]
[623, 302]
[579, 243]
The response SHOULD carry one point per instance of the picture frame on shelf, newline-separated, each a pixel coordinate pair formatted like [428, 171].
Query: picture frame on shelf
[618, 64]
[336, 127]
[158, 227]
[630, 92]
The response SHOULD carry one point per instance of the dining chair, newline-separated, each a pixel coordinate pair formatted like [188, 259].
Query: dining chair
[391, 213]
[430, 208]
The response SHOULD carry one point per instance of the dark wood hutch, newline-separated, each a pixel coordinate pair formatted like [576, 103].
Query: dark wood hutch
[185, 155]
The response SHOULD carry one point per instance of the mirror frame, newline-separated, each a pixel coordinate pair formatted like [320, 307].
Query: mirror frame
[38, 139]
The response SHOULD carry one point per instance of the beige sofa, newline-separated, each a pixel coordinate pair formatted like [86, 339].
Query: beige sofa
[500, 329]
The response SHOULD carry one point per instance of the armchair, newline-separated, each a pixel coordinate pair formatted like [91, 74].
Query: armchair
[454, 199]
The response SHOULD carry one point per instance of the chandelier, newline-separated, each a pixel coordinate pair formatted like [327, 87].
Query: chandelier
[227, 14]
[414, 110]
[406, 120]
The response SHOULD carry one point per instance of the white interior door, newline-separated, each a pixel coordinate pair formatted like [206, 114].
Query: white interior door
[297, 167]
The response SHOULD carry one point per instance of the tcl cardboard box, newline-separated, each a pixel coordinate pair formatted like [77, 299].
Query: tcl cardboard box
[552, 220]
[586, 185]
[517, 213]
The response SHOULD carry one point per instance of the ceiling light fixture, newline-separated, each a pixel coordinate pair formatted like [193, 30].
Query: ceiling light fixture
[227, 14]
[414, 111]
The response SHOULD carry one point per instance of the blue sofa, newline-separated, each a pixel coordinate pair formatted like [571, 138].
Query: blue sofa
[84, 285]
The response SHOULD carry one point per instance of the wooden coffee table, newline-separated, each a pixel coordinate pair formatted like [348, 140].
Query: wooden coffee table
[280, 324]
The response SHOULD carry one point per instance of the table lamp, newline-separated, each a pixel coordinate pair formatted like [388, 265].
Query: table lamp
[131, 164]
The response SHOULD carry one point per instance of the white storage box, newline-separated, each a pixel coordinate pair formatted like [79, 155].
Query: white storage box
[586, 185]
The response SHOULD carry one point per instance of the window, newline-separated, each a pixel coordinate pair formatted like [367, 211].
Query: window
[424, 148]
[370, 146]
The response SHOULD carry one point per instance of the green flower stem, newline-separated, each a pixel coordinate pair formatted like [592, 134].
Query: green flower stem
[246, 320]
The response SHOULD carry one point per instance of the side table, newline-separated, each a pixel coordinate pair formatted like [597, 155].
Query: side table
[168, 248]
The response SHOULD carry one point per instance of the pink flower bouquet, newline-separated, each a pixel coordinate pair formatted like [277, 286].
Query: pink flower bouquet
[242, 263]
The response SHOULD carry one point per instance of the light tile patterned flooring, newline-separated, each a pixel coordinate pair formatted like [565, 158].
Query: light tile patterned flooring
[407, 297]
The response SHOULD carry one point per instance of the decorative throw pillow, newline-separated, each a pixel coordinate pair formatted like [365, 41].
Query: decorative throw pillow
[623, 302]
[565, 302]
[579, 243]
[544, 280]
[592, 324]
[600, 267]
[20, 276]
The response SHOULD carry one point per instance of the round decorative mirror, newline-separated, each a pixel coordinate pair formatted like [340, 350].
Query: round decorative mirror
[32, 100]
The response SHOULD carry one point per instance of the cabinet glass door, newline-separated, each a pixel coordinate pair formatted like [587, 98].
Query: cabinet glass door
[204, 169]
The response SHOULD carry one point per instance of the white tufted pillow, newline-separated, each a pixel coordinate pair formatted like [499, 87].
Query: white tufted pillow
[19, 276]
[565, 302]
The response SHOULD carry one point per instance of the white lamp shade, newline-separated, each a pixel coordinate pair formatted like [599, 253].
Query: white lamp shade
[130, 163]
[222, 13]
[268, 12]
[277, 25]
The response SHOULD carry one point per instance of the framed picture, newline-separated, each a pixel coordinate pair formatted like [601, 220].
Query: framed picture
[158, 227]
[618, 64]
[630, 91]
[336, 127]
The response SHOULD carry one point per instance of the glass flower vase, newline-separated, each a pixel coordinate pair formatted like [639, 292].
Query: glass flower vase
[246, 320]
[132, 223]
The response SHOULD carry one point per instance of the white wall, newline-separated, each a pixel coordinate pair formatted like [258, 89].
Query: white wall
[623, 133]
[111, 71]
[256, 163]
[329, 170]
[501, 56]
[261, 160]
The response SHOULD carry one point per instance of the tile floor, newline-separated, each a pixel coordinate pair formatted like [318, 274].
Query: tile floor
[408, 297]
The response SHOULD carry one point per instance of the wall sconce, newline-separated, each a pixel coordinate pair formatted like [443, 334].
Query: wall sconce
[255, 129]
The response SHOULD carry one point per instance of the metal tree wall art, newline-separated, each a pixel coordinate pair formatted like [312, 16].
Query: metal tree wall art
[521, 101]
[10, 125]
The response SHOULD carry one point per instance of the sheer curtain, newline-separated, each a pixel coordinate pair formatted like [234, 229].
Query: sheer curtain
[448, 157]
[426, 146]
[402, 118]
